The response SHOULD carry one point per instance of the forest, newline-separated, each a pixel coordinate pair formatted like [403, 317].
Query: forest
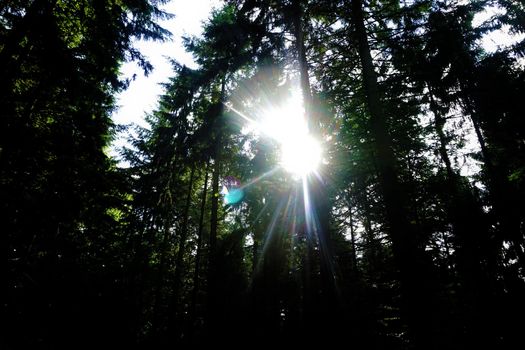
[332, 172]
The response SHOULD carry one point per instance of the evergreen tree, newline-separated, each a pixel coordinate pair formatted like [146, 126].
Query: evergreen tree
[61, 194]
[408, 235]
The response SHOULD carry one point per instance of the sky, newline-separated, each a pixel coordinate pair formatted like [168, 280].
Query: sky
[143, 92]
[142, 95]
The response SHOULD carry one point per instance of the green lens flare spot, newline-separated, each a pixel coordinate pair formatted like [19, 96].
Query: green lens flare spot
[234, 196]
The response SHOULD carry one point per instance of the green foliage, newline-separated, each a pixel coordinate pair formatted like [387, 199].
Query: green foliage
[403, 246]
[64, 199]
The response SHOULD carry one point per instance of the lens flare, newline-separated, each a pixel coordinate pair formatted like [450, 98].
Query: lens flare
[234, 196]
[300, 155]
[300, 152]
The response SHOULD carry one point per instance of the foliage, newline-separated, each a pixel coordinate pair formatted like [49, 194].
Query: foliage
[415, 236]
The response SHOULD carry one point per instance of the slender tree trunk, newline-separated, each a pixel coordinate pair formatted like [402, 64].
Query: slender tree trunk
[300, 48]
[214, 218]
[439, 123]
[255, 251]
[156, 321]
[214, 207]
[179, 261]
[167, 224]
[215, 176]
[370, 252]
[412, 266]
[196, 272]
[352, 240]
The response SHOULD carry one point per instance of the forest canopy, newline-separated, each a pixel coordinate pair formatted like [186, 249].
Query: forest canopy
[330, 172]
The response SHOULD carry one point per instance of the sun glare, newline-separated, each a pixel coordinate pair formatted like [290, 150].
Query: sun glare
[300, 152]
[300, 155]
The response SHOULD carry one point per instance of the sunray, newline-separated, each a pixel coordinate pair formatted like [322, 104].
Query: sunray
[266, 205]
[270, 232]
[301, 155]
[240, 114]
[309, 214]
[286, 212]
[293, 228]
[260, 177]
[314, 234]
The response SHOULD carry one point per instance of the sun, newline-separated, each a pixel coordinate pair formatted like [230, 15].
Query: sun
[300, 153]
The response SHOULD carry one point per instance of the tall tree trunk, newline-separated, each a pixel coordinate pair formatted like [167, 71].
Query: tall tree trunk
[157, 317]
[196, 272]
[179, 261]
[411, 263]
[352, 238]
[439, 123]
[212, 310]
[300, 49]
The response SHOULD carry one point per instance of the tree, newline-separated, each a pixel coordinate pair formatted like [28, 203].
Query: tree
[62, 195]
[409, 236]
